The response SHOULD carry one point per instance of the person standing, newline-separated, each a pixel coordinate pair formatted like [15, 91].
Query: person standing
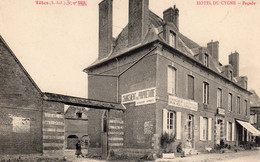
[78, 149]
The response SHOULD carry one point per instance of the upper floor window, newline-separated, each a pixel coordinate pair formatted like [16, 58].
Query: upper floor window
[205, 93]
[190, 87]
[172, 39]
[230, 100]
[171, 80]
[246, 107]
[219, 97]
[238, 104]
[206, 60]
[79, 114]
[245, 84]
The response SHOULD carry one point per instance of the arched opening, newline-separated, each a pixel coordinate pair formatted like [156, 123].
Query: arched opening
[71, 141]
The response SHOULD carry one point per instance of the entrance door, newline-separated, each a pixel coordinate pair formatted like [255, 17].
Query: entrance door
[190, 125]
[219, 131]
[104, 134]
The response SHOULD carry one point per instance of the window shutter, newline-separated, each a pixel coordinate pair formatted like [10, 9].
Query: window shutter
[210, 128]
[201, 128]
[227, 132]
[247, 135]
[164, 119]
[169, 80]
[233, 131]
[178, 125]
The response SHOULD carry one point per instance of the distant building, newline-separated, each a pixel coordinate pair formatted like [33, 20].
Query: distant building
[76, 126]
[167, 82]
[255, 113]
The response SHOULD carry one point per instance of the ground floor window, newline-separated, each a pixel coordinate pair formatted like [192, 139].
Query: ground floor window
[172, 123]
[171, 118]
[205, 128]
[229, 131]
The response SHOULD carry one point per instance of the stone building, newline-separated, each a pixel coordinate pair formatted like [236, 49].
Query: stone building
[76, 126]
[255, 113]
[32, 122]
[167, 82]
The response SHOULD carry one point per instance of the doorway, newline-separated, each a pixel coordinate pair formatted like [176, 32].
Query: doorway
[190, 126]
[219, 131]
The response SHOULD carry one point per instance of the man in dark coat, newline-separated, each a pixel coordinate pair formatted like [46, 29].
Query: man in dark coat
[78, 149]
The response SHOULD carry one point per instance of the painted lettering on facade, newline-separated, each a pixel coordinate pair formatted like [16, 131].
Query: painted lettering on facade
[180, 102]
[21, 124]
[141, 97]
[148, 127]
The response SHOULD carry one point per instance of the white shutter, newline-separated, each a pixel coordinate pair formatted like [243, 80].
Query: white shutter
[201, 128]
[233, 131]
[164, 119]
[227, 138]
[169, 80]
[247, 135]
[178, 125]
[210, 128]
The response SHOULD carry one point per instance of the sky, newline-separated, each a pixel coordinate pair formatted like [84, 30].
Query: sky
[56, 42]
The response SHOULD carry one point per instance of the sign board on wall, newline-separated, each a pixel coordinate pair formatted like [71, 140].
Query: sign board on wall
[180, 102]
[221, 111]
[141, 97]
[21, 124]
[148, 127]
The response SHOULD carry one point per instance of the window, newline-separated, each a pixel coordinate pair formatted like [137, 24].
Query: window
[230, 100]
[205, 129]
[171, 122]
[230, 75]
[171, 80]
[206, 60]
[219, 97]
[245, 84]
[238, 104]
[229, 131]
[205, 93]
[172, 39]
[246, 107]
[190, 87]
[79, 115]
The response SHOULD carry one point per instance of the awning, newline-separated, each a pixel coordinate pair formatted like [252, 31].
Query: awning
[249, 127]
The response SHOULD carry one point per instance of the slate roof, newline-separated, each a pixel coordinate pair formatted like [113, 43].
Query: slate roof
[120, 44]
[155, 32]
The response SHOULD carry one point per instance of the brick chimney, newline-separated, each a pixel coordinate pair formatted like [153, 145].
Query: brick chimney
[172, 15]
[213, 48]
[105, 27]
[138, 21]
[234, 61]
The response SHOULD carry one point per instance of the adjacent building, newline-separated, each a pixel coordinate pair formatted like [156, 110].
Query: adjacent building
[33, 122]
[167, 83]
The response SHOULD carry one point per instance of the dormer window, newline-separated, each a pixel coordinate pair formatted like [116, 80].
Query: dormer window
[230, 75]
[172, 39]
[206, 60]
[79, 115]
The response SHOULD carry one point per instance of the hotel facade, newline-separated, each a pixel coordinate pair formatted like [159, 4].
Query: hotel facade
[167, 83]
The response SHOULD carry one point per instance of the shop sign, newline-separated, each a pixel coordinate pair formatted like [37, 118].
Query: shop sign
[221, 111]
[141, 97]
[180, 102]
